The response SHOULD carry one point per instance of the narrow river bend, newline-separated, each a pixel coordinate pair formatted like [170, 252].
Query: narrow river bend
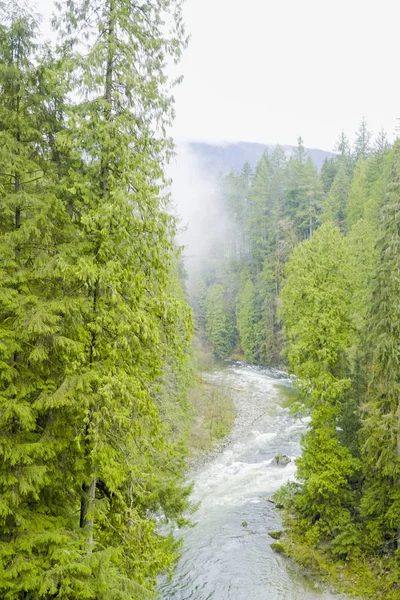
[227, 555]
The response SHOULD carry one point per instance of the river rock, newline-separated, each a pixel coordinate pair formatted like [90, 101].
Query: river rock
[281, 460]
[278, 547]
[276, 535]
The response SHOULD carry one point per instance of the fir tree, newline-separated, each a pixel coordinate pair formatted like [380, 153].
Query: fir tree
[220, 326]
[234, 192]
[317, 316]
[84, 359]
[304, 193]
[245, 316]
[269, 327]
[381, 143]
[381, 429]
[343, 153]
[362, 144]
[336, 202]
[260, 215]
[342, 147]
[328, 173]
[358, 193]
[244, 183]
[35, 502]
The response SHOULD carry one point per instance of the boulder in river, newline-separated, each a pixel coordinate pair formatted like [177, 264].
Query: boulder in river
[276, 535]
[281, 460]
[276, 504]
[278, 547]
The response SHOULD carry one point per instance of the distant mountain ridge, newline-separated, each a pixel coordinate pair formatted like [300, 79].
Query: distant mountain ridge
[216, 158]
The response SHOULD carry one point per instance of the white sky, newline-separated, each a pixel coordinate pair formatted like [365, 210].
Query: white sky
[269, 71]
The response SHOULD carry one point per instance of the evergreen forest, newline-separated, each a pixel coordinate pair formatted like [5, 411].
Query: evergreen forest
[96, 330]
[94, 325]
[307, 278]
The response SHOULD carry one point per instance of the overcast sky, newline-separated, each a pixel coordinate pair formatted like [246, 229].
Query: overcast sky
[269, 71]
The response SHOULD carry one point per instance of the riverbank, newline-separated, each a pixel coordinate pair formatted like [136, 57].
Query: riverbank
[227, 555]
[232, 407]
[212, 419]
[361, 577]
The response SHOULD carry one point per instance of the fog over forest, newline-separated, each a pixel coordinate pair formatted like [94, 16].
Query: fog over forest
[196, 170]
[196, 200]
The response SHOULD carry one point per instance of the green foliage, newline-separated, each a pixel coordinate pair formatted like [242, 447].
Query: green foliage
[220, 325]
[260, 219]
[304, 193]
[358, 193]
[245, 316]
[213, 415]
[92, 316]
[336, 287]
[317, 316]
[316, 307]
[362, 245]
[268, 328]
[337, 294]
[339, 307]
[336, 202]
[362, 145]
[35, 513]
[328, 173]
[381, 430]
[95, 357]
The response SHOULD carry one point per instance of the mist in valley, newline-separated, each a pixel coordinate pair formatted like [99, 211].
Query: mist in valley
[196, 200]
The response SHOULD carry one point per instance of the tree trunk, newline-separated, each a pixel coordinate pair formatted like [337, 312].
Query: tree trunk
[87, 503]
[108, 86]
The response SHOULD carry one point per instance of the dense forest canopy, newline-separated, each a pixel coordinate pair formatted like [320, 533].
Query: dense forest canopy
[95, 328]
[307, 277]
[93, 319]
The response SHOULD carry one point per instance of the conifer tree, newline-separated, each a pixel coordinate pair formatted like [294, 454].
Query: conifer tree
[377, 174]
[269, 327]
[295, 172]
[313, 192]
[92, 459]
[342, 147]
[33, 224]
[304, 193]
[336, 202]
[220, 325]
[317, 315]
[260, 213]
[344, 157]
[278, 183]
[381, 143]
[278, 188]
[381, 422]
[244, 183]
[121, 262]
[235, 203]
[358, 193]
[245, 316]
[362, 144]
[328, 174]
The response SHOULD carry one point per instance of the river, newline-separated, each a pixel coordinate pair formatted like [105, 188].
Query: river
[227, 554]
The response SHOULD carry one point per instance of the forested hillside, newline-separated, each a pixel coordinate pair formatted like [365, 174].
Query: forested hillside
[308, 276]
[267, 213]
[94, 325]
[216, 158]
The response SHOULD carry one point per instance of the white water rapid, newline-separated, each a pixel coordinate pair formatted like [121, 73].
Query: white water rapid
[227, 554]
